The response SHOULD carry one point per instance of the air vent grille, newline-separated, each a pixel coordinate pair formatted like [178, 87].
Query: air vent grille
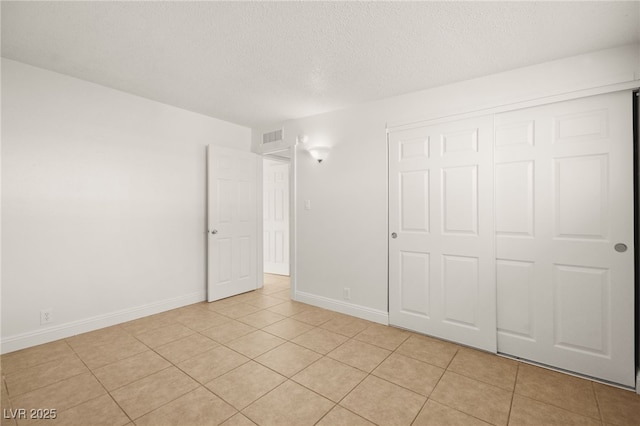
[270, 137]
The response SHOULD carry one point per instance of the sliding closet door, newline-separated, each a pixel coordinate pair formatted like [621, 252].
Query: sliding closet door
[441, 244]
[564, 235]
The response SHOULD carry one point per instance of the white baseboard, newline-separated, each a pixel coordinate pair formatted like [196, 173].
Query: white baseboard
[50, 334]
[375, 315]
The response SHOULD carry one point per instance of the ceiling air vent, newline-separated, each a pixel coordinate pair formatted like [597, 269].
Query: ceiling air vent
[275, 136]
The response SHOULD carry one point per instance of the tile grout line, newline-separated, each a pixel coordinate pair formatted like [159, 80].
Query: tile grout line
[595, 396]
[513, 393]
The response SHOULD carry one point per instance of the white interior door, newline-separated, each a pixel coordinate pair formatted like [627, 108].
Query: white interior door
[232, 222]
[564, 200]
[276, 217]
[441, 249]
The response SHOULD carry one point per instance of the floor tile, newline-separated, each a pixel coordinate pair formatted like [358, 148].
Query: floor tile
[238, 310]
[164, 335]
[5, 406]
[228, 332]
[428, 349]
[186, 348]
[288, 328]
[345, 325]
[201, 319]
[383, 336]
[28, 379]
[255, 343]
[342, 417]
[525, 411]
[564, 391]
[488, 368]
[618, 406]
[288, 404]
[98, 337]
[147, 394]
[108, 353]
[221, 304]
[95, 341]
[261, 319]
[480, 400]
[360, 355]
[314, 316]
[245, 297]
[149, 323]
[263, 301]
[435, 414]
[289, 308]
[383, 403]
[409, 373]
[284, 294]
[198, 407]
[129, 370]
[238, 420]
[320, 340]
[61, 395]
[211, 364]
[245, 384]
[101, 411]
[288, 359]
[330, 378]
[35, 355]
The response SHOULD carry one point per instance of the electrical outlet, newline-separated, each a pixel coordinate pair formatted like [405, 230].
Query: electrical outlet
[346, 293]
[46, 316]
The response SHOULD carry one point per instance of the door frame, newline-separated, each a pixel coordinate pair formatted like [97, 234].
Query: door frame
[292, 158]
[287, 161]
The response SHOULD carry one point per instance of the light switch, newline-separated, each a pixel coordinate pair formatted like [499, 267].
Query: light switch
[307, 204]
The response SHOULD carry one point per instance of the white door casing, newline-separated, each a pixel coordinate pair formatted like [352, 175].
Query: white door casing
[564, 199]
[232, 222]
[276, 217]
[442, 262]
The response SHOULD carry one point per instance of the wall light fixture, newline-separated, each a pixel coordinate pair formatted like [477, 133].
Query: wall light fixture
[319, 153]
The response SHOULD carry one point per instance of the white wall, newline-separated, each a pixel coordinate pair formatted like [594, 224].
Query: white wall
[342, 240]
[103, 204]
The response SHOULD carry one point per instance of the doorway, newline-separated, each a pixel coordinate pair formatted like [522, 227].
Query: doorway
[276, 213]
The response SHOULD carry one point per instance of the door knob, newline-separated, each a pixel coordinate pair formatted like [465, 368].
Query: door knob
[620, 247]
[214, 231]
[394, 235]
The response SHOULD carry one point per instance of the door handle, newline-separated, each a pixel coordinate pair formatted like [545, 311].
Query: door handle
[620, 247]
[394, 235]
[214, 231]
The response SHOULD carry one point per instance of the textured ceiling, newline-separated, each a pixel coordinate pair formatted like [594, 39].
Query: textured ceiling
[255, 63]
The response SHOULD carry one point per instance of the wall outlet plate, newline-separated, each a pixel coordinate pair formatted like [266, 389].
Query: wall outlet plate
[46, 316]
[346, 293]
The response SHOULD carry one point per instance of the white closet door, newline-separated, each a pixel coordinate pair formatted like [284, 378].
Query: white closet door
[276, 217]
[442, 262]
[564, 203]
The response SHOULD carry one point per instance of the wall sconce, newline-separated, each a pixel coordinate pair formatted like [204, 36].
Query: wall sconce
[319, 153]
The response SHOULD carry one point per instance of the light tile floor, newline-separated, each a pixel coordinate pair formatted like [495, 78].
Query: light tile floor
[260, 358]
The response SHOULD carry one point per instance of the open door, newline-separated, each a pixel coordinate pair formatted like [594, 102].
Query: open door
[232, 222]
[276, 216]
